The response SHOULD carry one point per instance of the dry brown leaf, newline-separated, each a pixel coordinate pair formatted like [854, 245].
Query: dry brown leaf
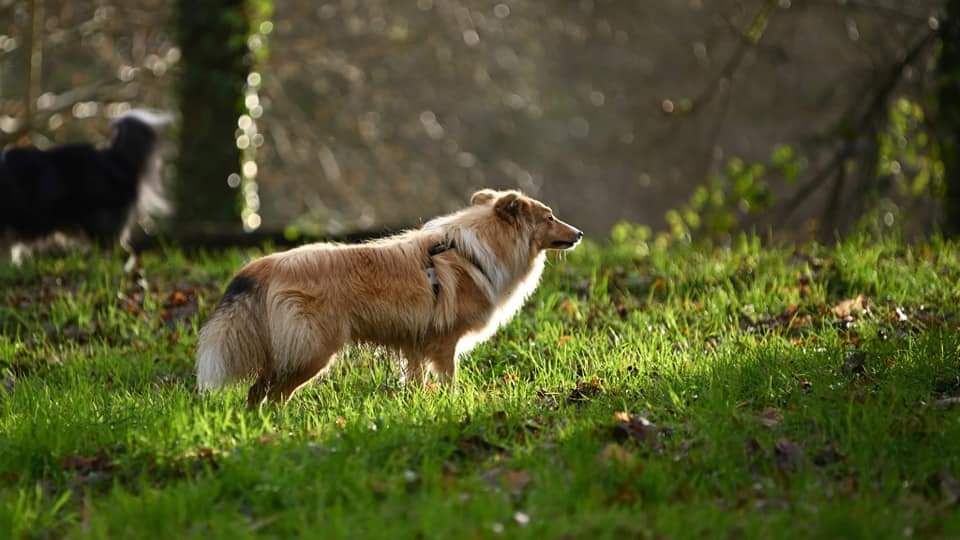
[788, 454]
[516, 480]
[771, 417]
[177, 298]
[267, 438]
[850, 307]
[585, 390]
[179, 305]
[828, 456]
[88, 464]
[569, 307]
[638, 429]
[855, 363]
[946, 403]
[614, 454]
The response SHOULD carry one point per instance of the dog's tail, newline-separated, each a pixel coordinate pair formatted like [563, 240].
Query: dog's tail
[136, 144]
[231, 343]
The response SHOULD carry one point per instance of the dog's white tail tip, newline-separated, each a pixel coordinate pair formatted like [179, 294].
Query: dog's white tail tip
[153, 118]
[211, 374]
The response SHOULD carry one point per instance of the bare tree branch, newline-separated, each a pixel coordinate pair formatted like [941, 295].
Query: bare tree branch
[864, 122]
[63, 102]
[34, 57]
[865, 6]
[748, 39]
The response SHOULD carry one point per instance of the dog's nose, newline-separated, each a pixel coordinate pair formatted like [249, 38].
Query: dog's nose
[579, 235]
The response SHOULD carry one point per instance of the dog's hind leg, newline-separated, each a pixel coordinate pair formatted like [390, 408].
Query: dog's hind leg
[258, 392]
[6, 248]
[286, 384]
[278, 388]
[304, 336]
[443, 360]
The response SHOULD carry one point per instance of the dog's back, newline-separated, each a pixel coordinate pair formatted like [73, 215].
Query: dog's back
[77, 187]
[68, 187]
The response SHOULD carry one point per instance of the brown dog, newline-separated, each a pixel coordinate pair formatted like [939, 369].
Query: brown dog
[431, 293]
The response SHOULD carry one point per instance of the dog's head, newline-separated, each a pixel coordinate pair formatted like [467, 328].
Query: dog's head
[517, 210]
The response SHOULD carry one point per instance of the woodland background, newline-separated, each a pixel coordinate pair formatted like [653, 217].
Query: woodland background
[694, 117]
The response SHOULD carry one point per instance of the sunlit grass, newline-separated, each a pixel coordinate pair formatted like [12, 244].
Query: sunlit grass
[755, 410]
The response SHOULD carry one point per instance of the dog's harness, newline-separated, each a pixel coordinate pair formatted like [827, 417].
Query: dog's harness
[439, 248]
[431, 270]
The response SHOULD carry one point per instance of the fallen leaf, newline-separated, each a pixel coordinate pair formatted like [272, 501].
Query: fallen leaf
[88, 464]
[855, 363]
[9, 478]
[850, 307]
[563, 340]
[949, 488]
[585, 390]
[8, 383]
[475, 445]
[569, 307]
[177, 298]
[267, 438]
[804, 282]
[637, 429]
[178, 306]
[516, 480]
[205, 453]
[753, 448]
[788, 455]
[771, 417]
[547, 399]
[828, 456]
[789, 318]
[849, 485]
[946, 403]
[615, 454]
[95, 469]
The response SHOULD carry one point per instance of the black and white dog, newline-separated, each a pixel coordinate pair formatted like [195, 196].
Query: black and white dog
[79, 189]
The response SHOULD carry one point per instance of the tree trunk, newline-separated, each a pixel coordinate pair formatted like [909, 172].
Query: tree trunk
[215, 62]
[948, 96]
[34, 61]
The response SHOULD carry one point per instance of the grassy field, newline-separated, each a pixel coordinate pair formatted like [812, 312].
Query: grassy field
[670, 393]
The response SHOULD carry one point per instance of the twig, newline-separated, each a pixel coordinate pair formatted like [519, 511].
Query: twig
[836, 194]
[875, 107]
[761, 20]
[61, 103]
[859, 5]
[727, 73]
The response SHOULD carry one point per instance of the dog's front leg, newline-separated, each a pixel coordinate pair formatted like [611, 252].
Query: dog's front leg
[6, 247]
[444, 363]
[413, 371]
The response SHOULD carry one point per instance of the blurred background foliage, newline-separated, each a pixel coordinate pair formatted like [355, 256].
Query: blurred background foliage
[691, 118]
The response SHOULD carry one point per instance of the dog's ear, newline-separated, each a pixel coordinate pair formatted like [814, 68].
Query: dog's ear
[511, 207]
[483, 196]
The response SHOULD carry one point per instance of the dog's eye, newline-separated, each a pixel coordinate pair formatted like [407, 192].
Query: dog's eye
[551, 218]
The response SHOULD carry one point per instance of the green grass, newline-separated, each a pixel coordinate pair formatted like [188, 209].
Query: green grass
[769, 416]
